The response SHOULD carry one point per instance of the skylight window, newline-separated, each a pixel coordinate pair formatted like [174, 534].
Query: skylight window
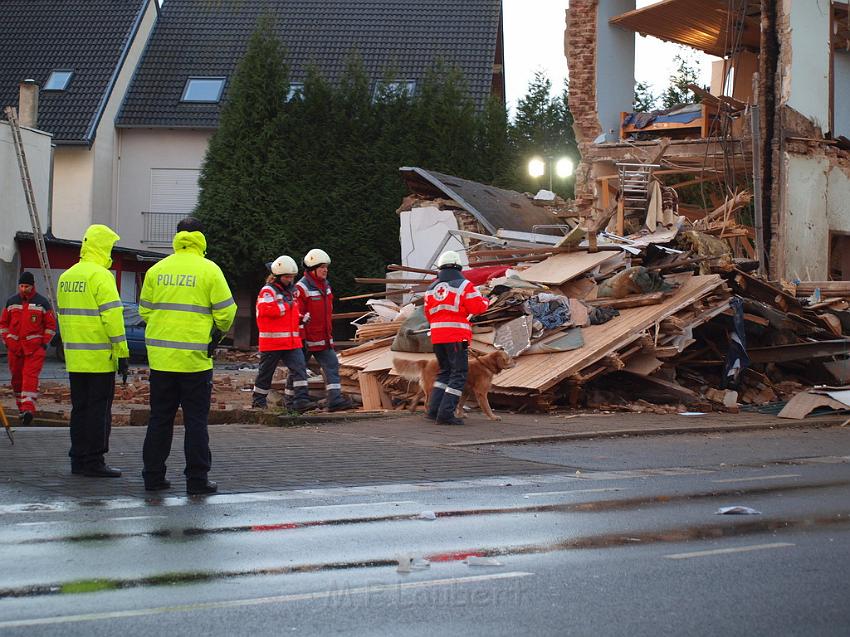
[58, 81]
[296, 91]
[396, 88]
[203, 89]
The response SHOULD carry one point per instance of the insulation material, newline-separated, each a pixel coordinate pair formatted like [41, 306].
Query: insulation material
[422, 231]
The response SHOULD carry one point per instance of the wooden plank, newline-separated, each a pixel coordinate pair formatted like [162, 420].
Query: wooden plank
[543, 371]
[363, 359]
[562, 267]
[632, 300]
[371, 391]
[827, 288]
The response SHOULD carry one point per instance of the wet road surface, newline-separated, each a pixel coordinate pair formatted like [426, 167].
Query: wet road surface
[617, 537]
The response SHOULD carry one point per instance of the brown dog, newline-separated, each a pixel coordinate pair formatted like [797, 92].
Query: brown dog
[482, 369]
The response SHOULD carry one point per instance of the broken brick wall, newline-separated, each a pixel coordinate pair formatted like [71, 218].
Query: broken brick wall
[580, 49]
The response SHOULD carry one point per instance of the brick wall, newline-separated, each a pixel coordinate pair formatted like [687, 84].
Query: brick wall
[580, 49]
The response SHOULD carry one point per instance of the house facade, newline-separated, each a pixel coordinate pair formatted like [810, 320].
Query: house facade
[775, 121]
[173, 104]
[82, 59]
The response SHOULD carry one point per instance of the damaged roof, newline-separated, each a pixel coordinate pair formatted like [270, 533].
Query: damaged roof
[90, 38]
[494, 208]
[199, 38]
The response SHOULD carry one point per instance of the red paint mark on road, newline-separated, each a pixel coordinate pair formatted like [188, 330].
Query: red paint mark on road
[275, 527]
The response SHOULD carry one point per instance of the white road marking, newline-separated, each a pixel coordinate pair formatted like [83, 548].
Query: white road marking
[259, 601]
[39, 523]
[546, 493]
[756, 478]
[739, 549]
[358, 504]
[138, 517]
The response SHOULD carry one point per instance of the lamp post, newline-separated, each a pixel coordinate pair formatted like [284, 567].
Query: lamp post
[537, 167]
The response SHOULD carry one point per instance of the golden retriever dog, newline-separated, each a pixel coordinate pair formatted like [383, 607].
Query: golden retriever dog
[482, 369]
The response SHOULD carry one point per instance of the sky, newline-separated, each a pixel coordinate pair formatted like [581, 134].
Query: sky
[534, 40]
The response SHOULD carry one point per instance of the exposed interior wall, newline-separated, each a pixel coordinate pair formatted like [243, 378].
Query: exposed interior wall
[141, 151]
[73, 168]
[806, 79]
[615, 70]
[841, 88]
[817, 189]
[806, 226]
[104, 196]
[13, 206]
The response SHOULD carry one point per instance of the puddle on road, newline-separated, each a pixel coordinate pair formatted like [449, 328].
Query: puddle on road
[614, 540]
[599, 506]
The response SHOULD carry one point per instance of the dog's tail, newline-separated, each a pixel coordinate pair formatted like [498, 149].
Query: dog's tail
[411, 370]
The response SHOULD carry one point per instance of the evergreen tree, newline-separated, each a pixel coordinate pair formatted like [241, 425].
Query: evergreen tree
[645, 100]
[686, 73]
[242, 170]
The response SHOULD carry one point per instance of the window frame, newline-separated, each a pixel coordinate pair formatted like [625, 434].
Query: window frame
[222, 79]
[64, 86]
[406, 86]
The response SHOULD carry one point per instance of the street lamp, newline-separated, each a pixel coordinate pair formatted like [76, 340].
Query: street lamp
[537, 167]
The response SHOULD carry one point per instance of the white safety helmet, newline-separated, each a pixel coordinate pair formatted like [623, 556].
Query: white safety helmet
[449, 259]
[315, 258]
[284, 265]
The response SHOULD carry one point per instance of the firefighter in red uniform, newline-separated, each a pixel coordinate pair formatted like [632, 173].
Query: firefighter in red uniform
[315, 300]
[448, 303]
[27, 326]
[279, 322]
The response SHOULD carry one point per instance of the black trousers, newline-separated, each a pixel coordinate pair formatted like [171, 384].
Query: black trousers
[91, 417]
[453, 359]
[169, 390]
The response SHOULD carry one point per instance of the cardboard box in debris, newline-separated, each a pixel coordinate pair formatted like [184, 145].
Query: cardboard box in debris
[663, 321]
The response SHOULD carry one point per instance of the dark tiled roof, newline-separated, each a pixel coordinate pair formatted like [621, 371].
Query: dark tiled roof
[495, 208]
[208, 38]
[88, 36]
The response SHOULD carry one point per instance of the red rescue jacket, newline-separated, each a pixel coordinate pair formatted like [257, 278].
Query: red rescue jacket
[448, 303]
[315, 299]
[278, 318]
[27, 323]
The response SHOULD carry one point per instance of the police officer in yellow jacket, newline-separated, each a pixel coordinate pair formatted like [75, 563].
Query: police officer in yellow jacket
[185, 300]
[91, 321]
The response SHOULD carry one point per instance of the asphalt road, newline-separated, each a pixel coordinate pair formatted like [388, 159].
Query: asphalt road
[625, 541]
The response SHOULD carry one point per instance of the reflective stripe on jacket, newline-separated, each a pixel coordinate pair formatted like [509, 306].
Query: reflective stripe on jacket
[278, 318]
[183, 297]
[316, 299]
[27, 323]
[91, 315]
[448, 303]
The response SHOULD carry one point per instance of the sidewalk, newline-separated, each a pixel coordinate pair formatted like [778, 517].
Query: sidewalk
[341, 451]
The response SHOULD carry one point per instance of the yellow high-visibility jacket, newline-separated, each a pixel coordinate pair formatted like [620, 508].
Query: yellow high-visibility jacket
[183, 297]
[91, 315]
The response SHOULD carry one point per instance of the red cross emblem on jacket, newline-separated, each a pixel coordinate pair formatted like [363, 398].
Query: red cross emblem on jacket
[448, 304]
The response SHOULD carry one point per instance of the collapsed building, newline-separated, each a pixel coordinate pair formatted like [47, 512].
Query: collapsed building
[775, 121]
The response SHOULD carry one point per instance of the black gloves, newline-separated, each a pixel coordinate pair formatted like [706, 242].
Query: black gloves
[215, 339]
[124, 368]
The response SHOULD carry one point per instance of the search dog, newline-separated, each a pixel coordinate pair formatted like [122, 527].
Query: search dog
[482, 369]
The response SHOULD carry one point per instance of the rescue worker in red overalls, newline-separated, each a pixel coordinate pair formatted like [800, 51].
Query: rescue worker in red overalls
[27, 325]
[315, 300]
[279, 322]
[448, 303]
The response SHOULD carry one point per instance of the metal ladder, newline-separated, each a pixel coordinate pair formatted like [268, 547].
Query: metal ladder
[38, 236]
[634, 184]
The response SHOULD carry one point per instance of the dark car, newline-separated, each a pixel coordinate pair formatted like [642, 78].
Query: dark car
[134, 327]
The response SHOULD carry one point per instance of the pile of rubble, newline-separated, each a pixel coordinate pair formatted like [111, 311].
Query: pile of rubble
[665, 321]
